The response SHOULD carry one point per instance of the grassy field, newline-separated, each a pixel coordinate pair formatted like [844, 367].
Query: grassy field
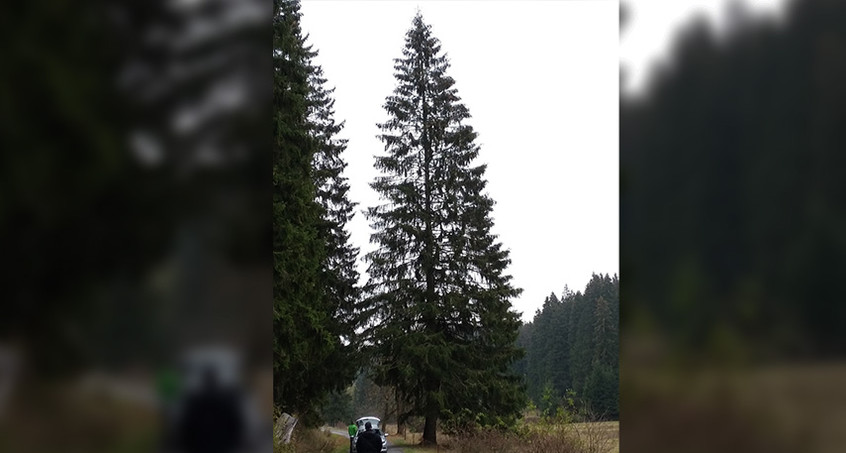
[598, 437]
[775, 408]
[58, 418]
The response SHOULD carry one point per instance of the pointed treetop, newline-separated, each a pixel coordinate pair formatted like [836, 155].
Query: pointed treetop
[418, 22]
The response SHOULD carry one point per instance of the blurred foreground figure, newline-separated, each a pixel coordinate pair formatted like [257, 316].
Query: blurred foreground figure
[213, 410]
[212, 421]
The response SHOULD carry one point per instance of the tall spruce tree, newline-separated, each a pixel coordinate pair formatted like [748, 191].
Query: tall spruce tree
[314, 265]
[442, 329]
[339, 274]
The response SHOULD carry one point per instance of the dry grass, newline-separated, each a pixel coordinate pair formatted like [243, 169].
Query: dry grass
[313, 441]
[774, 409]
[599, 437]
[557, 441]
[59, 418]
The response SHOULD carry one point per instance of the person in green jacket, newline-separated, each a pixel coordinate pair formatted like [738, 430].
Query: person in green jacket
[352, 430]
[168, 388]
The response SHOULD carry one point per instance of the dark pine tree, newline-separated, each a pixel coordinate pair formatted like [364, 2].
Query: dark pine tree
[339, 276]
[439, 299]
[314, 265]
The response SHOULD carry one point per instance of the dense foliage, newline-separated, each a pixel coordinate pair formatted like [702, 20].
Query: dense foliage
[94, 207]
[441, 325]
[314, 274]
[572, 350]
[76, 210]
[731, 194]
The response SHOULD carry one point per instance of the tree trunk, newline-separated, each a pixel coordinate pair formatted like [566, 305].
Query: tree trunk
[400, 416]
[386, 412]
[430, 434]
[401, 425]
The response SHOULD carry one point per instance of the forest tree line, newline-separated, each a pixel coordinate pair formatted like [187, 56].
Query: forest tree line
[571, 348]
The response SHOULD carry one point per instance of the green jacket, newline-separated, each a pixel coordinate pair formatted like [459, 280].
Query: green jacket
[168, 385]
[352, 429]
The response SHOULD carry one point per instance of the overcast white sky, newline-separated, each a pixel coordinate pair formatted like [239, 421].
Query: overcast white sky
[654, 23]
[541, 80]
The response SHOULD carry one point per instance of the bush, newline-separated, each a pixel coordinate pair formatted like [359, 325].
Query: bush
[466, 422]
[462, 423]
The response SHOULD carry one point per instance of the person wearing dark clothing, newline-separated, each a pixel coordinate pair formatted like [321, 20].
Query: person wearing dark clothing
[212, 421]
[368, 441]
